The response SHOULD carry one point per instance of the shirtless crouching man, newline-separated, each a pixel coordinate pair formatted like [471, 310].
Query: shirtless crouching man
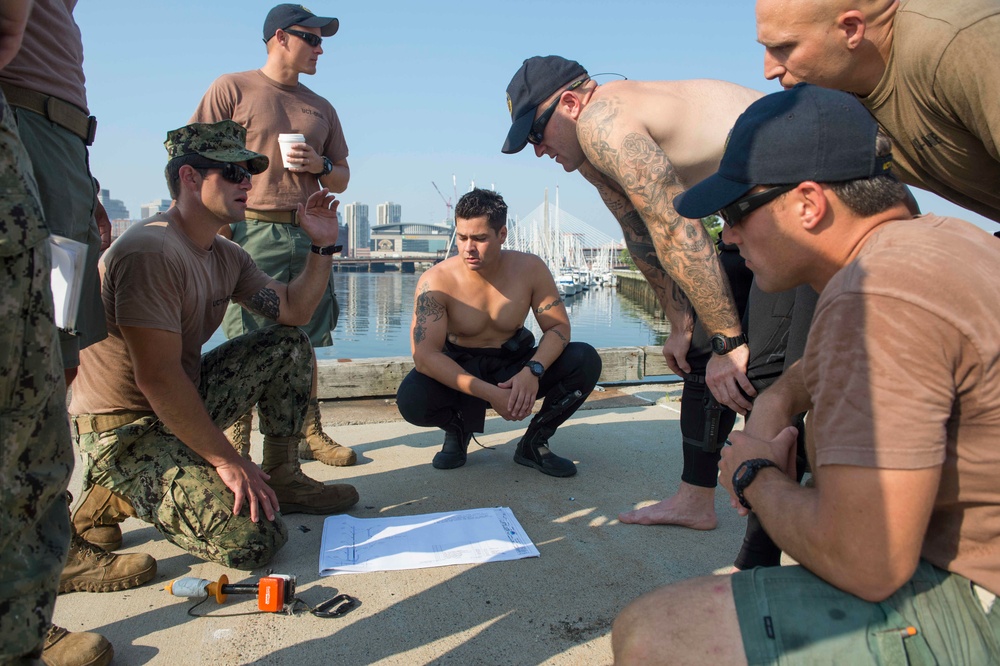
[641, 143]
[470, 348]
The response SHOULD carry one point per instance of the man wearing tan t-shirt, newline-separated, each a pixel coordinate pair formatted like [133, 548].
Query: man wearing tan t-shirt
[929, 72]
[902, 377]
[268, 102]
[148, 408]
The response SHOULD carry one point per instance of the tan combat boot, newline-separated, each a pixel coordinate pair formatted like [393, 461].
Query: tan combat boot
[90, 569]
[317, 445]
[76, 648]
[97, 517]
[296, 492]
[238, 434]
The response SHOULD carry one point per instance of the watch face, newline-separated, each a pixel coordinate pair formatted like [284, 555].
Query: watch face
[718, 344]
[536, 368]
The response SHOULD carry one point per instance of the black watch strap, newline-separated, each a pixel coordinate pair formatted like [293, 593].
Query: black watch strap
[745, 474]
[327, 250]
[722, 345]
[327, 166]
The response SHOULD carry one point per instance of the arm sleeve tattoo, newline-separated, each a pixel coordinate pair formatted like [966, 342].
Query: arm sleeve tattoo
[649, 182]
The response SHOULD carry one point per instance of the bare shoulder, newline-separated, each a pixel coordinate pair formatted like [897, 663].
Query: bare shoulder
[523, 263]
[440, 275]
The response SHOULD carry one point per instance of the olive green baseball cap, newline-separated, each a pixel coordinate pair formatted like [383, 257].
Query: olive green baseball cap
[224, 141]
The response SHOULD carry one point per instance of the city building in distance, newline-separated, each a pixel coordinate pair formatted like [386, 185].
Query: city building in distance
[389, 213]
[153, 207]
[358, 229]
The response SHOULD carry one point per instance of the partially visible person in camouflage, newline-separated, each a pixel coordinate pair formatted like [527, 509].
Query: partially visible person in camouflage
[149, 410]
[36, 458]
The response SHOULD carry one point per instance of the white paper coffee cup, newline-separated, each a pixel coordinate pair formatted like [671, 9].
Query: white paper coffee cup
[285, 142]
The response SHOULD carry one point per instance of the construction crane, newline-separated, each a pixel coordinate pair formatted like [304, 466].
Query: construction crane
[447, 202]
[452, 248]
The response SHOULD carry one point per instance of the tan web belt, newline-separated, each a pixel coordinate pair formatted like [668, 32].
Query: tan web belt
[276, 216]
[62, 113]
[85, 424]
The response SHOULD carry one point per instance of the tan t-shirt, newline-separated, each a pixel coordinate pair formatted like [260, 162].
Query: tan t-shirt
[266, 109]
[154, 276]
[903, 367]
[51, 57]
[938, 99]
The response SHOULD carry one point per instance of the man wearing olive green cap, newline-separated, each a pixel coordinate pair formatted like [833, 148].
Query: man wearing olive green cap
[149, 409]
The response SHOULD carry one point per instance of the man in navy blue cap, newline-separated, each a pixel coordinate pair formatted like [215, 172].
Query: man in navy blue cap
[640, 143]
[270, 102]
[902, 376]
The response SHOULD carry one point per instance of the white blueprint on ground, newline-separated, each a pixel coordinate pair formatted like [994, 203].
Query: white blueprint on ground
[472, 536]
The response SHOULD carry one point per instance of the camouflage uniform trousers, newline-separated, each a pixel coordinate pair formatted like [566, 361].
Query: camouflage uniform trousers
[177, 490]
[36, 458]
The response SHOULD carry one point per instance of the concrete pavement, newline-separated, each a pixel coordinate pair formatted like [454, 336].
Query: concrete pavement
[555, 609]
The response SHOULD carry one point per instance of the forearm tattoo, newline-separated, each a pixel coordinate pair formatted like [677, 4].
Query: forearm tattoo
[266, 303]
[551, 305]
[426, 308]
[652, 227]
[556, 333]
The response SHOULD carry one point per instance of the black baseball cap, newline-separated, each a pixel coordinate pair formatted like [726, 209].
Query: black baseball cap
[533, 83]
[284, 16]
[805, 133]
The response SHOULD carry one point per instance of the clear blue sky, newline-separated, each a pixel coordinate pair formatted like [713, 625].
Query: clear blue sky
[419, 85]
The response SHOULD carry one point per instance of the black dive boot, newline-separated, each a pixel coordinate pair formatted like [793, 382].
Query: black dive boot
[533, 451]
[456, 445]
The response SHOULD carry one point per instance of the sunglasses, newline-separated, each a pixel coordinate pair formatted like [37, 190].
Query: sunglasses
[736, 211]
[234, 173]
[537, 131]
[309, 38]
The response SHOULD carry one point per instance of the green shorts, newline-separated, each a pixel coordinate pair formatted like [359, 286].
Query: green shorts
[790, 616]
[280, 250]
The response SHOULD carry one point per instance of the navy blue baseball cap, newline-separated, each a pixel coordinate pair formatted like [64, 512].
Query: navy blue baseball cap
[805, 133]
[533, 83]
[285, 16]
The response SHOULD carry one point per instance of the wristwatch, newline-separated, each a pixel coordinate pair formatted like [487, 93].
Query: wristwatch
[745, 474]
[327, 166]
[327, 250]
[722, 345]
[536, 368]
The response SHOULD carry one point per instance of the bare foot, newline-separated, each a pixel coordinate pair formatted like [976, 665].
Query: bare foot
[692, 507]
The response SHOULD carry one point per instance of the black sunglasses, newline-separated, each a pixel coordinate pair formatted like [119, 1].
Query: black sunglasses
[232, 172]
[537, 131]
[736, 211]
[309, 38]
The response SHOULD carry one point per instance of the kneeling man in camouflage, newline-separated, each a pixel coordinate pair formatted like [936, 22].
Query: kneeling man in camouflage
[149, 409]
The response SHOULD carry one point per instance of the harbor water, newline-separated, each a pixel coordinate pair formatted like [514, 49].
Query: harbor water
[376, 310]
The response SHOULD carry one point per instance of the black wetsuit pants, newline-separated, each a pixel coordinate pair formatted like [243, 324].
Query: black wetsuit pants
[424, 401]
[705, 424]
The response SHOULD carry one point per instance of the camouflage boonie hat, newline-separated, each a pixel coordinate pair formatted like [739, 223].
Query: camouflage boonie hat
[224, 141]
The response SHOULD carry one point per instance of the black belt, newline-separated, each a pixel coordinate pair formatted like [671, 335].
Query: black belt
[62, 113]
